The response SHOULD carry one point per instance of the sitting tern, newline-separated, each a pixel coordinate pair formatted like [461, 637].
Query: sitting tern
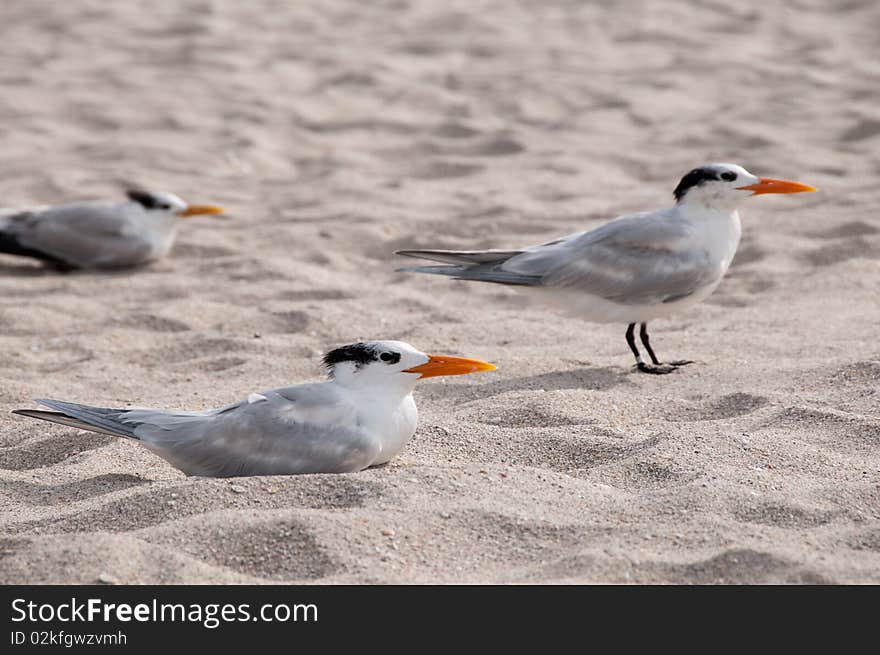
[362, 416]
[98, 234]
[635, 268]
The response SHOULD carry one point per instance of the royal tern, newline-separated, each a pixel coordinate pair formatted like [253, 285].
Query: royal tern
[635, 268]
[98, 234]
[362, 416]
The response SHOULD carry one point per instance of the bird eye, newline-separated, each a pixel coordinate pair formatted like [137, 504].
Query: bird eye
[390, 358]
[164, 205]
[385, 357]
[728, 176]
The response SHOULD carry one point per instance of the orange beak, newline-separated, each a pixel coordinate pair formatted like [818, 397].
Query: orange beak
[446, 365]
[769, 185]
[195, 210]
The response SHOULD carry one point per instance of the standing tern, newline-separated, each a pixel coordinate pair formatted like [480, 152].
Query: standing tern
[635, 268]
[362, 416]
[98, 234]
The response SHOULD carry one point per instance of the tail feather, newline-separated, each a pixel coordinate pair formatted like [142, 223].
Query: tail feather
[10, 245]
[451, 271]
[466, 257]
[62, 419]
[96, 419]
[476, 265]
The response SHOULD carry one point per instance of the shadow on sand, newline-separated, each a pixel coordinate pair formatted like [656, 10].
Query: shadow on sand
[597, 379]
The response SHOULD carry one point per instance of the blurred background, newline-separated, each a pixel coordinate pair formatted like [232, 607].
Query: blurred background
[337, 131]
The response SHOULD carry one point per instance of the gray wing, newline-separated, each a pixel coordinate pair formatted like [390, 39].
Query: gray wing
[85, 235]
[637, 259]
[278, 432]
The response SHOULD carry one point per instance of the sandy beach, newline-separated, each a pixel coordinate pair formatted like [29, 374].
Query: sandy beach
[336, 132]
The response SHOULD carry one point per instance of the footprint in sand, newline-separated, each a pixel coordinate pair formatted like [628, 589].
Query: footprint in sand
[724, 407]
[362, 125]
[740, 288]
[46, 452]
[783, 516]
[40, 494]
[569, 454]
[597, 379]
[851, 229]
[276, 549]
[867, 540]
[303, 295]
[508, 540]
[199, 252]
[151, 506]
[866, 372]
[442, 170]
[153, 323]
[290, 322]
[219, 364]
[10, 546]
[866, 128]
[528, 417]
[240, 270]
[638, 475]
[191, 349]
[748, 252]
[745, 566]
[841, 430]
[453, 130]
[841, 250]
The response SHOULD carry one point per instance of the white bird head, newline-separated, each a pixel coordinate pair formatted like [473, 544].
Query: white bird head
[724, 186]
[168, 203]
[384, 364]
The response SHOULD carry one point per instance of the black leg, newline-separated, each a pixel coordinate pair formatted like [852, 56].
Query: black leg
[631, 340]
[643, 333]
[655, 367]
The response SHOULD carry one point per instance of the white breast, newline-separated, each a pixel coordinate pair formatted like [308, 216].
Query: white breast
[719, 233]
[392, 421]
[157, 230]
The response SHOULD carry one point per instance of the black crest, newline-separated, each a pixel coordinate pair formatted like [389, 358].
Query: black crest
[695, 178]
[145, 198]
[359, 353]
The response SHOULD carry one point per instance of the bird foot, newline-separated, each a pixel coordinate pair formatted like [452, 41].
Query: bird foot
[656, 369]
[663, 369]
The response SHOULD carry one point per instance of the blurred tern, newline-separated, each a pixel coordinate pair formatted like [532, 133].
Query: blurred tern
[635, 268]
[98, 234]
[362, 416]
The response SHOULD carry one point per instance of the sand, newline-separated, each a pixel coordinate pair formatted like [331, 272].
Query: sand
[336, 132]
